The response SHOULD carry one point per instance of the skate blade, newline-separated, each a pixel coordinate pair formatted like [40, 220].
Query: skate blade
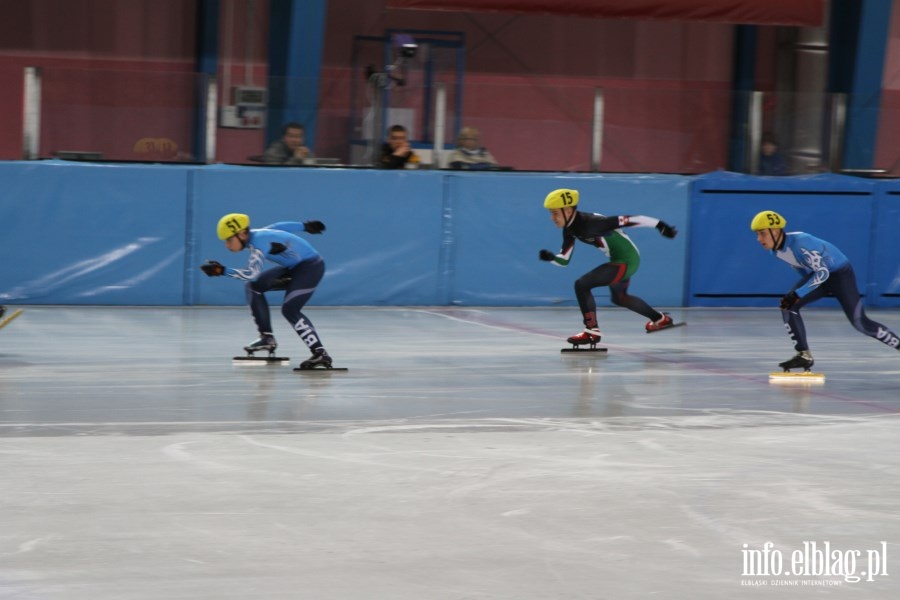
[802, 377]
[585, 349]
[672, 326]
[7, 320]
[261, 360]
[320, 370]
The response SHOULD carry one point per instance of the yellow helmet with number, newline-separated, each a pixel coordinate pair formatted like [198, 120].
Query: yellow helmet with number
[231, 224]
[561, 198]
[767, 219]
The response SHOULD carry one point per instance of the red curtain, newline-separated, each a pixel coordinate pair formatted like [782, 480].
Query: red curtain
[807, 13]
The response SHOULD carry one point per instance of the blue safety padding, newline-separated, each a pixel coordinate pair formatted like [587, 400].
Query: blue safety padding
[129, 234]
[381, 245]
[499, 223]
[727, 265]
[818, 183]
[92, 234]
[884, 290]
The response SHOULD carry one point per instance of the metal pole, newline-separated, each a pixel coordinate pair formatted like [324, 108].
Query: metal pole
[836, 130]
[212, 106]
[597, 131]
[754, 133]
[31, 114]
[440, 124]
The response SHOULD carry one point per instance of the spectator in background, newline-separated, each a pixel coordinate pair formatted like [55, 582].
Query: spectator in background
[469, 153]
[290, 149]
[396, 152]
[771, 162]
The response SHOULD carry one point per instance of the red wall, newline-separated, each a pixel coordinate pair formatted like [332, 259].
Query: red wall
[114, 74]
[529, 81]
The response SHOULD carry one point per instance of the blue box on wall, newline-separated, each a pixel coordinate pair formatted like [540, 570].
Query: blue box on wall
[727, 265]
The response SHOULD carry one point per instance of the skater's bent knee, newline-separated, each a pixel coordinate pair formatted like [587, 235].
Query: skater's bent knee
[618, 300]
[583, 286]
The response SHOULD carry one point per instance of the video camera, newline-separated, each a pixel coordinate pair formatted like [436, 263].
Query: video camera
[405, 44]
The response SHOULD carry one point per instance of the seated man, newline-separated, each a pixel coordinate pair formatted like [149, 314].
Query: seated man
[290, 148]
[396, 151]
[469, 154]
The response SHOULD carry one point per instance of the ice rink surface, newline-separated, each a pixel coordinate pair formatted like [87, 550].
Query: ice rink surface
[461, 457]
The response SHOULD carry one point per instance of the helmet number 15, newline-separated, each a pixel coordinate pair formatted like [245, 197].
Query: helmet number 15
[567, 198]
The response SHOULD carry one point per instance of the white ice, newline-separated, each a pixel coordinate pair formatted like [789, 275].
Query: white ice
[461, 457]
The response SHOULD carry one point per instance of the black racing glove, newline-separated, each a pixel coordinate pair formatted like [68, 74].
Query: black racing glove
[213, 268]
[313, 226]
[789, 301]
[277, 248]
[666, 230]
[546, 255]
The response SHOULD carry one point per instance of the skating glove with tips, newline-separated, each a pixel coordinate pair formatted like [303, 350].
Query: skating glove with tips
[789, 301]
[313, 226]
[546, 255]
[666, 230]
[213, 268]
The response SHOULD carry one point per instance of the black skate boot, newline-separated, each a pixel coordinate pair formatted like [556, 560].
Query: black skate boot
[266, 342]
[803, 360]
[319, 360]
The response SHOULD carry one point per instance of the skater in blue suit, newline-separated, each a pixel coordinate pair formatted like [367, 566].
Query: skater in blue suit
[298, 270]
[825, 270]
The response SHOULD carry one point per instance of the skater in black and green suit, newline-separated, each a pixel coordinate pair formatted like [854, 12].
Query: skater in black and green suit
[624, 259]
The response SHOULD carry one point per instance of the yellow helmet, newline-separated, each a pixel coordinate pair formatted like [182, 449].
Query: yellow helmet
[560, 198]
[231, 224]
[767, 219]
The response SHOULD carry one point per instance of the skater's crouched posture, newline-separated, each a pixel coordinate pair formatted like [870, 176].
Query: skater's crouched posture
[624, 259]
[825, 270]
[299, 270]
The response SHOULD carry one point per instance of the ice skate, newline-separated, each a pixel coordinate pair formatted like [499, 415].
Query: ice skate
[320, 361]
[6, 320]
[665, 322]
[265, 343]
[802, 360]
[590, 337]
